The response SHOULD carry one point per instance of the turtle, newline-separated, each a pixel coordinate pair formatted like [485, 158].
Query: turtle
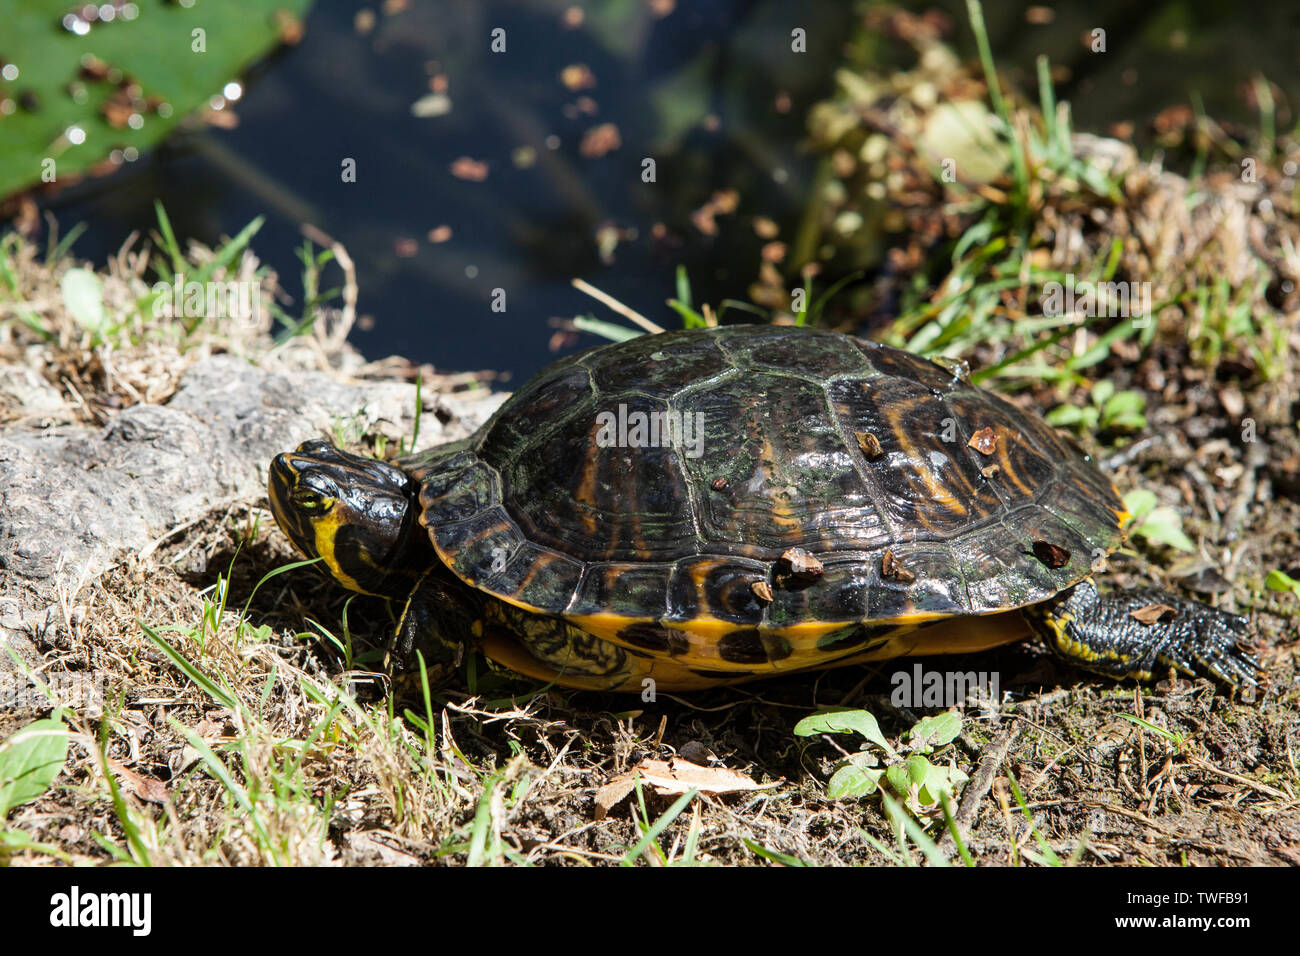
[714, 505]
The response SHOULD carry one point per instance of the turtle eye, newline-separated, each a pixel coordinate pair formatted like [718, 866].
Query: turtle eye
[310, 501]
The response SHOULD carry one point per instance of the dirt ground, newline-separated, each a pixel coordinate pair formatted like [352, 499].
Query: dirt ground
[1098, 788]
[508, 774]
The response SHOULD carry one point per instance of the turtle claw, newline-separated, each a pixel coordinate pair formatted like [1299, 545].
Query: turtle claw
[1210, 643]
[1127, 633]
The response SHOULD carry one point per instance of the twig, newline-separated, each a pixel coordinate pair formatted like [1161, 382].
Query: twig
[1246, 781]
[1256, 457]
[994, 753]
[1129, 452]
[613, 303]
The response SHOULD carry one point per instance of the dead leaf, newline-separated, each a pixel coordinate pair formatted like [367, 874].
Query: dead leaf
[721, 203]
[599, 140]
[149, 789]
[290, 28]
[577, 76]
[612, 794]
[117, 111]
[1151, 613]
[471, 170]
[672, 778]
[676, 776]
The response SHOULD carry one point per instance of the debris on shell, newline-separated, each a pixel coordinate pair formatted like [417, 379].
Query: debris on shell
[984, 441]
[1052, 555]
[763, 590]
[892, 567]
[869, 444]
[988, 471]
[959, 369]
[802, 564]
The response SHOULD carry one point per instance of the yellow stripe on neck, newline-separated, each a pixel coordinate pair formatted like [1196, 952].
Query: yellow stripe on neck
[326, 529]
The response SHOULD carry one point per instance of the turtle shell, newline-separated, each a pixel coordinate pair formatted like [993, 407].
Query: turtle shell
[741, 494]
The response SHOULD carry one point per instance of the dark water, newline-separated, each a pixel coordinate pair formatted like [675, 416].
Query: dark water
[527, 231]
[697, 90]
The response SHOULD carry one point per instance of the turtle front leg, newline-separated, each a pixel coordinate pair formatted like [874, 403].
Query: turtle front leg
[440, 617]
[1100, 632]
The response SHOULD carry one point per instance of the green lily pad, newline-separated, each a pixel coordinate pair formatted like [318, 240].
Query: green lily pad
[61, 92]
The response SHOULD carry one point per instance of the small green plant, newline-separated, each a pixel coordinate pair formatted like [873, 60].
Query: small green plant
[809, 311]
[1178, 740]
[1155, 524]
[1108, 411]
[313, 299]
[682, 303]
[30, 759]
[649, 846]
[774, 856]
[1281, 581]
[905, 769]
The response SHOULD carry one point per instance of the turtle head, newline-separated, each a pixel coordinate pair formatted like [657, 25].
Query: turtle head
[359, 515]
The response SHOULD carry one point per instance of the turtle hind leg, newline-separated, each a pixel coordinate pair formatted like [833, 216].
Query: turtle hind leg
[553, 650]
[1099, 631]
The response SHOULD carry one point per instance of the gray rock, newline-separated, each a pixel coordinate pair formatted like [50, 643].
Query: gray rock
[74, 500]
